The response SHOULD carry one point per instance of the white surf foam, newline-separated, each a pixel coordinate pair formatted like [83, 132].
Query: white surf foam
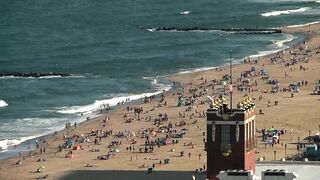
[279, 44]
[307, 24]
[185, 12]
[264, 53]
[282, 43]
[98, 104]
[151, 29]
[3, 103]
[30, 128]
[153, 80]
[290, 11]
[41, 77]
[196, 70]
[4, 144]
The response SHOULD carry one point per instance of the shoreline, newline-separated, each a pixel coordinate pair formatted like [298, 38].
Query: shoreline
[183, 77]
[95, 115]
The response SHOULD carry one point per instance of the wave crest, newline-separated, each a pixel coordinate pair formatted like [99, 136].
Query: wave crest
[4, 144]
[290, 11]
[282, 43]
[41, 77]
[196, 70]
[98, 104]
[3, 103]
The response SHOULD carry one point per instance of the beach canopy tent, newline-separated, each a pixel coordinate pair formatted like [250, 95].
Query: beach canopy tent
[312, 152]
[311, 149]
[181, 102]
[69, 143]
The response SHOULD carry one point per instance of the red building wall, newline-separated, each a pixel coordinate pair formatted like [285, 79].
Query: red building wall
[239, 158]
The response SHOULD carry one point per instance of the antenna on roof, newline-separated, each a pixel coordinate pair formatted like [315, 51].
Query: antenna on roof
[230, 83]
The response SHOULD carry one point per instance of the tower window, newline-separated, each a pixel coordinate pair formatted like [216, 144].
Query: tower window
[225, 146]
[225, 134]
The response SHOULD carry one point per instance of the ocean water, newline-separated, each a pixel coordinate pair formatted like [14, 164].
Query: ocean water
[110, 58]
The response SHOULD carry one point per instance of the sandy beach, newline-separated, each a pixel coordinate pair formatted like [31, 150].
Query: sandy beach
[119, 136]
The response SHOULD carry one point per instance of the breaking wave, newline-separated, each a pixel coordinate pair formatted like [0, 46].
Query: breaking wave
[282, 43]
[278, 13]
[99, 104]
[278, 44]
[4, 144]
[3, 103]
[41, 77]
[196, 70]
[25, 129]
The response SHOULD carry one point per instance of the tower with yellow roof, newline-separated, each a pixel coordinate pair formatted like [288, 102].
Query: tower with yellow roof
[230, 136]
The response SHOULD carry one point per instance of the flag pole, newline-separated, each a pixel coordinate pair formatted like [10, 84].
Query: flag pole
[230, 88]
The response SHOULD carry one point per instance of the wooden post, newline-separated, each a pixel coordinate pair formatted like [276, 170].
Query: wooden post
[309, 136]
[285, 151]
